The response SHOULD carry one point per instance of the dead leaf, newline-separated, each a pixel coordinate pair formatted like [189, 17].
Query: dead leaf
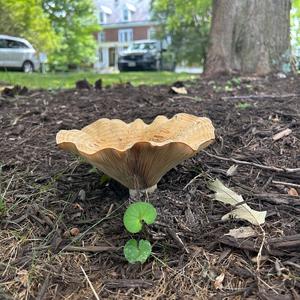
[81, 195]
[243, 211]
[232, 170]
[5, 87]
[242, 232]
[218, 283]
[179, 90]
[23, 277]
[293, 192]
[77, 205]
[261, 258]
[281, 134]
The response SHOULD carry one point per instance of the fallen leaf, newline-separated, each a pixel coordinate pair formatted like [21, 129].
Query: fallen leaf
[281, 134]
[232, 170]
[77, 205]
[243, 211]
[81, 195]
[23, 277]
[261, 258]
[242, 232]
[218, 283]
[179, 90]
[5, 87]
[293, 192]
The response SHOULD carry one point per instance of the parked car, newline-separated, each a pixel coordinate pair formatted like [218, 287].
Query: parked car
[145, 55]
[18, 53]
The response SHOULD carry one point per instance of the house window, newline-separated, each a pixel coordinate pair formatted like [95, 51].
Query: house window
[126, 15]
[151, 33]
[103, 17]
[101, 36]
[125, 35]
[100, 55]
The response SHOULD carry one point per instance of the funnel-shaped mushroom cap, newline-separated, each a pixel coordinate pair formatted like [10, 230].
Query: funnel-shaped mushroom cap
[137, 154]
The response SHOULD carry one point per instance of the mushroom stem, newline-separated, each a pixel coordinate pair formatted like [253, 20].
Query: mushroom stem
[137, 193]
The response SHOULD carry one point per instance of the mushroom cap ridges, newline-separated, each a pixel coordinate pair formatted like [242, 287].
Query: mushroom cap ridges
[138, 154]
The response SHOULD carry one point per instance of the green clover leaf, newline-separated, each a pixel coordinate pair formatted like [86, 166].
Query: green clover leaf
[137, 252]
[136, 213]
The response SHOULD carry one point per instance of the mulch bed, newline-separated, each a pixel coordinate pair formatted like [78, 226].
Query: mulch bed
[61, 215]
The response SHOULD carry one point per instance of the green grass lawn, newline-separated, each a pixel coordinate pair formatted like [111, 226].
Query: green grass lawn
[67, 80]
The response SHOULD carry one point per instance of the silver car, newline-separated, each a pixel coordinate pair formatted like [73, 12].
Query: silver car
[18, 53]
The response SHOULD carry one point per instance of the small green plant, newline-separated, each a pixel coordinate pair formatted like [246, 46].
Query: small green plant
[243, 105]
[249, 87]
[217, 88]
[136, 214]
[236, 81]
[228, 88]
[134, 217]
[104, 179]
[137, 252]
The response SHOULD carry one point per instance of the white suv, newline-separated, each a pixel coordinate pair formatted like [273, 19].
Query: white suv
[18, 53]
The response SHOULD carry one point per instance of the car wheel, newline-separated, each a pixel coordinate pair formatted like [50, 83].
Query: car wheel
[156, 65]
[122, 68]
[27, 67]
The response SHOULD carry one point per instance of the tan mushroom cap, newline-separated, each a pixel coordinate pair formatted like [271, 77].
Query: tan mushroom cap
[138, 154]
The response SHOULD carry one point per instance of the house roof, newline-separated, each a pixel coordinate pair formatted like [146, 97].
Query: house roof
[140, 10]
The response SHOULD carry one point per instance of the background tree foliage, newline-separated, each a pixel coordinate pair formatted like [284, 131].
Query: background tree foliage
[74, 23]
[188, 24]
[26, 18]
[62, 28]
[295, 23]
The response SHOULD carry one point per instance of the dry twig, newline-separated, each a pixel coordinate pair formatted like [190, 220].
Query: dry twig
[90, 284]
[93, 249]
[286, 183]
[248, 163]
[249, 97]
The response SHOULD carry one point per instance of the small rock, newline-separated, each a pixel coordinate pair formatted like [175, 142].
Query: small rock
[280, 75]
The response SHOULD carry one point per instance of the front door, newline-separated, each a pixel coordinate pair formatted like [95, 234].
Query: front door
[112, 57]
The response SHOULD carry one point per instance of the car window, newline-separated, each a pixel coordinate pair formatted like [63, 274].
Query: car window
[135, 47]
[15, 44]
[3, 43]
[142, 46]
[149, 46]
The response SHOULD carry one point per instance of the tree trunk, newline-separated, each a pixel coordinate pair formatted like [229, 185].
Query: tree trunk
[249, 37]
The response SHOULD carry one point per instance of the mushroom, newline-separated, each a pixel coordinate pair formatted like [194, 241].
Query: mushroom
[138, 154]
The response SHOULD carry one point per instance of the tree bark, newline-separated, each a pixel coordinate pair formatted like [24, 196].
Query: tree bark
[249, 37]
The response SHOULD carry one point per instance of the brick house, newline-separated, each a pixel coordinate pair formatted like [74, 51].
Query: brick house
[122, 22]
